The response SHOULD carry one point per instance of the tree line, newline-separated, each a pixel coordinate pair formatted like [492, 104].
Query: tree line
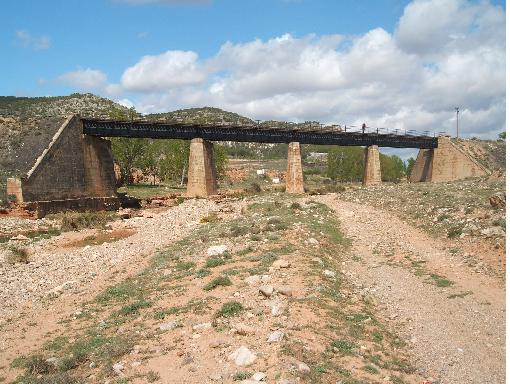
[347, 164]
[162, 159]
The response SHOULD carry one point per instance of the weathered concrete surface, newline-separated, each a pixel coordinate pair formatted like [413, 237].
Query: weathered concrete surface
[294, 178]
[372, 172]
[73, 166]
[422, 169]
[202, 179]
[447, 162]
[14, 188]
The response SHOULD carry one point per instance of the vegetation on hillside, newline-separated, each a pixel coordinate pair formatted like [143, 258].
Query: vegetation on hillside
[200, 116]
[37, 107]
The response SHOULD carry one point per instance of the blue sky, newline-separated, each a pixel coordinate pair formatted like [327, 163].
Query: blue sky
[390, 63]
[111, 34]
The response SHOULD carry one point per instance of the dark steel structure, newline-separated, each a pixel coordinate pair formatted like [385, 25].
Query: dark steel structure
[260, 133]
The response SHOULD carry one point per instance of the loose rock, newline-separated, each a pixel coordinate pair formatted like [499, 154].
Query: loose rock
[266, 290]
[243, 357]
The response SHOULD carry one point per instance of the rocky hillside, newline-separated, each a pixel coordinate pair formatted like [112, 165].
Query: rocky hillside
[39, 107]
[200, 115]
[490, 153]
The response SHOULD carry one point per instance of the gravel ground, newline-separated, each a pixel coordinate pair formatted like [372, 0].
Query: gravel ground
[54, 269]
[454, 340]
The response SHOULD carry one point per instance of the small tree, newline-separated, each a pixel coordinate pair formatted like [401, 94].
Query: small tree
[409, 166]
[127, 152]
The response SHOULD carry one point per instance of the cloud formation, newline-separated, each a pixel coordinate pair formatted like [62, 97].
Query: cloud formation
[27, 40]
[165, 71]
[442, 54]
[90, 80]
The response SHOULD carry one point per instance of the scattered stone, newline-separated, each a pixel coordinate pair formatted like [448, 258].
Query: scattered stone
[266, 290]
[215, 377]
[313, 241]
[53, 361]
[254, 279]
[202, 327]
[302, 367]
[243, 357]
[168, 326]
[285, 291]
[57, 291]
[329, 273]
[244, 330]
[216, 250]
[275, 336]
[118, 368]
[281, 263]
[493, 232]
[219, 343]
[498, 200]
[20, 238]
[259, 376]
[278, 308]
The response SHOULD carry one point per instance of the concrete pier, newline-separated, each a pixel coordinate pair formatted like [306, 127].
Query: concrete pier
[372, 173]
[294, 179]
[202, 180]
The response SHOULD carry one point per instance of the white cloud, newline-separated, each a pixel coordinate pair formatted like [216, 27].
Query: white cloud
[27, 40]
[442, 54]
[165, 71]
[85, 79]
[126, 103]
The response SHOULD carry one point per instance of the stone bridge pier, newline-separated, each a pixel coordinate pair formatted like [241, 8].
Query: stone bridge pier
[294, 179]
[372, 171]
[202, 180]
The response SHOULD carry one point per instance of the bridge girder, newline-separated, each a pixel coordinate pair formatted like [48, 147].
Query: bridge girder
[251, 133]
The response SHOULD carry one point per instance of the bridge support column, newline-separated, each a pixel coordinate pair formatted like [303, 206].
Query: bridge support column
[447, 162]
[294, 179]
[201, 171]
[372, 173]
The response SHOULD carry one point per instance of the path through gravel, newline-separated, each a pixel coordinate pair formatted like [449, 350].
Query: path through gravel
[453, 340]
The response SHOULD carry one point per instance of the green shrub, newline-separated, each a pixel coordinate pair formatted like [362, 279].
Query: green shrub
[74, 221]
[133, 308]
[345, 347]
[229, 309]
[218, 281]
[214, 261]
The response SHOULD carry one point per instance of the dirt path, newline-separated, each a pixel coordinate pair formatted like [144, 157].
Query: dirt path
[455, 333]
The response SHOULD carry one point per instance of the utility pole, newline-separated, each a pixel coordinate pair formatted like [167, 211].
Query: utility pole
[457, 110]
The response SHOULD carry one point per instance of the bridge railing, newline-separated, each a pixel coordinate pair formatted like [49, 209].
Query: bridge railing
[314, 127]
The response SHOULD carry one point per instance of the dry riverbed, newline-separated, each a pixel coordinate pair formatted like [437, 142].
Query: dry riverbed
[268, 288]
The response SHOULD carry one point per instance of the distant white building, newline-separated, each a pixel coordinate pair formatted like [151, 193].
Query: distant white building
[314, 157]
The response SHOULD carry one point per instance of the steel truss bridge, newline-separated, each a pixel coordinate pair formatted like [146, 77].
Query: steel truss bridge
[261, 133]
